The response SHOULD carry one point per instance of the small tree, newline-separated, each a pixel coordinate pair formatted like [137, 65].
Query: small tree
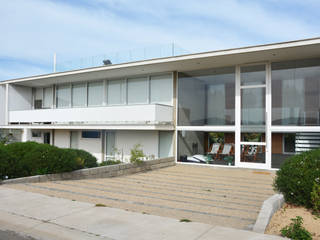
[137, 154]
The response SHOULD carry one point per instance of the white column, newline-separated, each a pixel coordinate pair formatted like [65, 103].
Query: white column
[237, 118]
[26, 134]
[6, 121]
[268, 116]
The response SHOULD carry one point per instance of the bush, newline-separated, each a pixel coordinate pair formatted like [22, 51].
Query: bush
[295, 230]
[88, 159]
[31, 158]
[110, 162]
[6, 163]
[45, 159]
[137, 154]
[296, 177]
[315, 198]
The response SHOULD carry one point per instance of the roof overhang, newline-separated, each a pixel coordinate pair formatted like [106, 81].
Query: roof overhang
[308, 48]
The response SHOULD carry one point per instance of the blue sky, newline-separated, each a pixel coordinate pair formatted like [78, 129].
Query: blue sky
[35, 29]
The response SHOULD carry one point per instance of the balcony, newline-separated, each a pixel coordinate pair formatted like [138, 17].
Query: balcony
[151, 114]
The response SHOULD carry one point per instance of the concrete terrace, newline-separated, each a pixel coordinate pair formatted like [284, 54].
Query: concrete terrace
[217, 196]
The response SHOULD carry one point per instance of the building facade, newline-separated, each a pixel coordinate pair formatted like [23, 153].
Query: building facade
[249, 107]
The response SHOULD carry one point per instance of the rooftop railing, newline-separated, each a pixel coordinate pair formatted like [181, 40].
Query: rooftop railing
[161, 51]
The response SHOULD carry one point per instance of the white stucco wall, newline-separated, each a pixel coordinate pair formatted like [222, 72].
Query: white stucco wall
[37, 139]
[2, 104]
[62, 138]
[125, 140]
[20, 98]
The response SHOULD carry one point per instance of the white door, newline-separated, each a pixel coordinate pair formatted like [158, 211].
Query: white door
[253, 134]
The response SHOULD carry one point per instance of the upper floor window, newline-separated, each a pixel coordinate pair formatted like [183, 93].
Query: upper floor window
[47, 97]
[63, 96]
[95, 93]
[207, 97]
[161, 89]
[137, 90]
[116, 92]
[38, 96]
[296, 93]
[79, 94]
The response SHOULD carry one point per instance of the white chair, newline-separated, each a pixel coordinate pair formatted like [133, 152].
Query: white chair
[227, 150]
[215, 148]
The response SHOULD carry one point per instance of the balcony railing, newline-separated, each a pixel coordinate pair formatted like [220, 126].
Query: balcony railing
[113, 115]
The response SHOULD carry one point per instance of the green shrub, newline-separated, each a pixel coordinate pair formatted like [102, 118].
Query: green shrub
[45, 159]
[31, 158]
[19, 149]
[296, 177]
[295, 230]
[88, 159]
[315, 198]
[110, 162]
[6, 163]
[137, 154]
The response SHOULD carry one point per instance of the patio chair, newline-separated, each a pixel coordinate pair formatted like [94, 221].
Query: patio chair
[215, 148]
[226, 151]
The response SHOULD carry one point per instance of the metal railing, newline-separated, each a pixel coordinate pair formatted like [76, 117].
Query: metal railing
[160, 51]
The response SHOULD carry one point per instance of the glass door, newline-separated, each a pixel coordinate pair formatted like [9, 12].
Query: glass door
[253, 116]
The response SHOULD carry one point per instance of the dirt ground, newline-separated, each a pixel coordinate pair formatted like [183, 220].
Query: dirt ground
[283, 218]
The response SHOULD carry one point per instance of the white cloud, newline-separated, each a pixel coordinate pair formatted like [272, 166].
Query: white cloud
[35, 29]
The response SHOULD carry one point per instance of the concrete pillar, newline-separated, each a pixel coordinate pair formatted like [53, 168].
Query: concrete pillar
[26, 135]
[6, 120]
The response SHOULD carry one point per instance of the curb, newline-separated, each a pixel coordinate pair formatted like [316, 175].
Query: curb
[269, 207]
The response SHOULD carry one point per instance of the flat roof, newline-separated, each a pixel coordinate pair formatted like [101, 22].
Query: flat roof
[298, 49]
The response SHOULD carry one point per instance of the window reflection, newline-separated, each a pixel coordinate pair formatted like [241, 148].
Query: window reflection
[206, 147]
[207, 97]
[295, 93]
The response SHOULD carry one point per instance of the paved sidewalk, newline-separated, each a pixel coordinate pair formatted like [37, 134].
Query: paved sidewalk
[44, 217]
[215, 196]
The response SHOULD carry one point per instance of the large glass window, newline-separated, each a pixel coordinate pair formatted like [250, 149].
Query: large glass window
[206, 147]
[284, 145]
[207, 97]
[253, 106]
[11, 135]
[47, 97]
[253, 75]
[110, 145]
[38, 95]
[165, 144]
[137, 90]
[79, 95]
[161, 88]
[296, 93]
[116, 92]
[95, 93]
[63, 96]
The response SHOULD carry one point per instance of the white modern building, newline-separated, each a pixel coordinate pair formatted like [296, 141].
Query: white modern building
[248, 107]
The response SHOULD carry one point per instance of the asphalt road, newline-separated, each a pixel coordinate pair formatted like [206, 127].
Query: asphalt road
[8, 235]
